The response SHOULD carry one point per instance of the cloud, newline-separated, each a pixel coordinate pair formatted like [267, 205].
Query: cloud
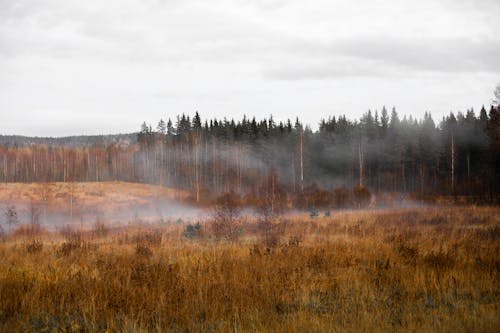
[271, 36]
[144, 58]
[388, 57]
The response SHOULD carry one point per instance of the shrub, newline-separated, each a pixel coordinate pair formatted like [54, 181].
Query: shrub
[321, 198]
[74, 240]
[149, 238]
[67, 247]
[226, 217]
[341, 197]
[143, 251]
[100, 228]
[313, 212]
[439, 260]
[34, 246]
[361, 196]
[407, 251]
[192, 230]
[10, 214]
[28, 230]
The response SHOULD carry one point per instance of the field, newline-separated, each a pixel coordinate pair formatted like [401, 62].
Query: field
[407, 270]
[104, 196]
[81, 204]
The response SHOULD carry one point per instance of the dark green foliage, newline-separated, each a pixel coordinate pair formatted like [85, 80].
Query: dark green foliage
[313, 212]
[385, 152]
[192, 230]
[400, 155]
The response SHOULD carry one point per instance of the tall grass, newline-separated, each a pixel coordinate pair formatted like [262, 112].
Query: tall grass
[434, 270]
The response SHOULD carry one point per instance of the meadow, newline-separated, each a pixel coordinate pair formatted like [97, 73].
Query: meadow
[431, 269]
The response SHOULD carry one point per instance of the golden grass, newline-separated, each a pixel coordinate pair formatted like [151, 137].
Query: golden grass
[107, 196]
[427, 270]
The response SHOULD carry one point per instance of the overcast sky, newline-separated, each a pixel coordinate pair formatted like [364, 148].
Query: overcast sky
[89, 67]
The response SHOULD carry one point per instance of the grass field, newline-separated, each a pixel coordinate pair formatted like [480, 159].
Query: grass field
[82, 203]
[407, 270]
[105, 196]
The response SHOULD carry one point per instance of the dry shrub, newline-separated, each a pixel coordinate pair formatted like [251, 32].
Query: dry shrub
[68, 247]
[142, 250]
[407, 251]
[434, 220]
[11, 216]
[271, 232]
[341, 197]
[34, 246]
[272, 194]
[29, 230]
[476, 220]
[68, 232]
[74, 241]
[488, 234]
[357, 229]
[322, 198]
[313, 196]
[400, 219]
[75, 322]
[439, 260]
[294, 241]
[226, 223]
[361, 196]
[100, 228]
[149, 238]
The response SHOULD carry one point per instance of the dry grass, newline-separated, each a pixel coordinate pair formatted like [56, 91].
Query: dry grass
[104, 196]
[427, 270]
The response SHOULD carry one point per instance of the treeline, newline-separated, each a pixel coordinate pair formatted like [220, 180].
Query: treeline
[380, 152]
[75, 141]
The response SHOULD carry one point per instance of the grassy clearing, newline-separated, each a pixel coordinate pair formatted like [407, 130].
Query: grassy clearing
[434, 270]
[105, 196]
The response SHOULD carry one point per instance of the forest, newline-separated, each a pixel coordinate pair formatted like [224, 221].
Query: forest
[284, 161]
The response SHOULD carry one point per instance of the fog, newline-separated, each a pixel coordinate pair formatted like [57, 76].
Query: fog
[161, 212]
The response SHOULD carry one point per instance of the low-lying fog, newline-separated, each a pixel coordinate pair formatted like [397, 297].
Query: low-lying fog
[159, 212]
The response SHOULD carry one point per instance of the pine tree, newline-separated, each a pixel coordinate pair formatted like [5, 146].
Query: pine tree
[161, 127]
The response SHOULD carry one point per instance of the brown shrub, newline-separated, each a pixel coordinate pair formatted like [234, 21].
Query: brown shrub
[74, 241]
[149, 238]
[361, 196]
[35, 246]
[226, 222]
[144, 251]
[341, 197]
[29, 230]
[488, 234]
[100, 228]
[439, 260]
[434, 220]
[407, 251]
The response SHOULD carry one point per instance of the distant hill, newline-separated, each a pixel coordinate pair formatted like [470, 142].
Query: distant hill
[70, 141]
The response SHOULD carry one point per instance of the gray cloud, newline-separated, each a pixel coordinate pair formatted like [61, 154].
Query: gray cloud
[388, 57]
[140, 59]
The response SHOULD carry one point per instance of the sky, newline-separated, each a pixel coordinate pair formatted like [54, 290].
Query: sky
[72, 67]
